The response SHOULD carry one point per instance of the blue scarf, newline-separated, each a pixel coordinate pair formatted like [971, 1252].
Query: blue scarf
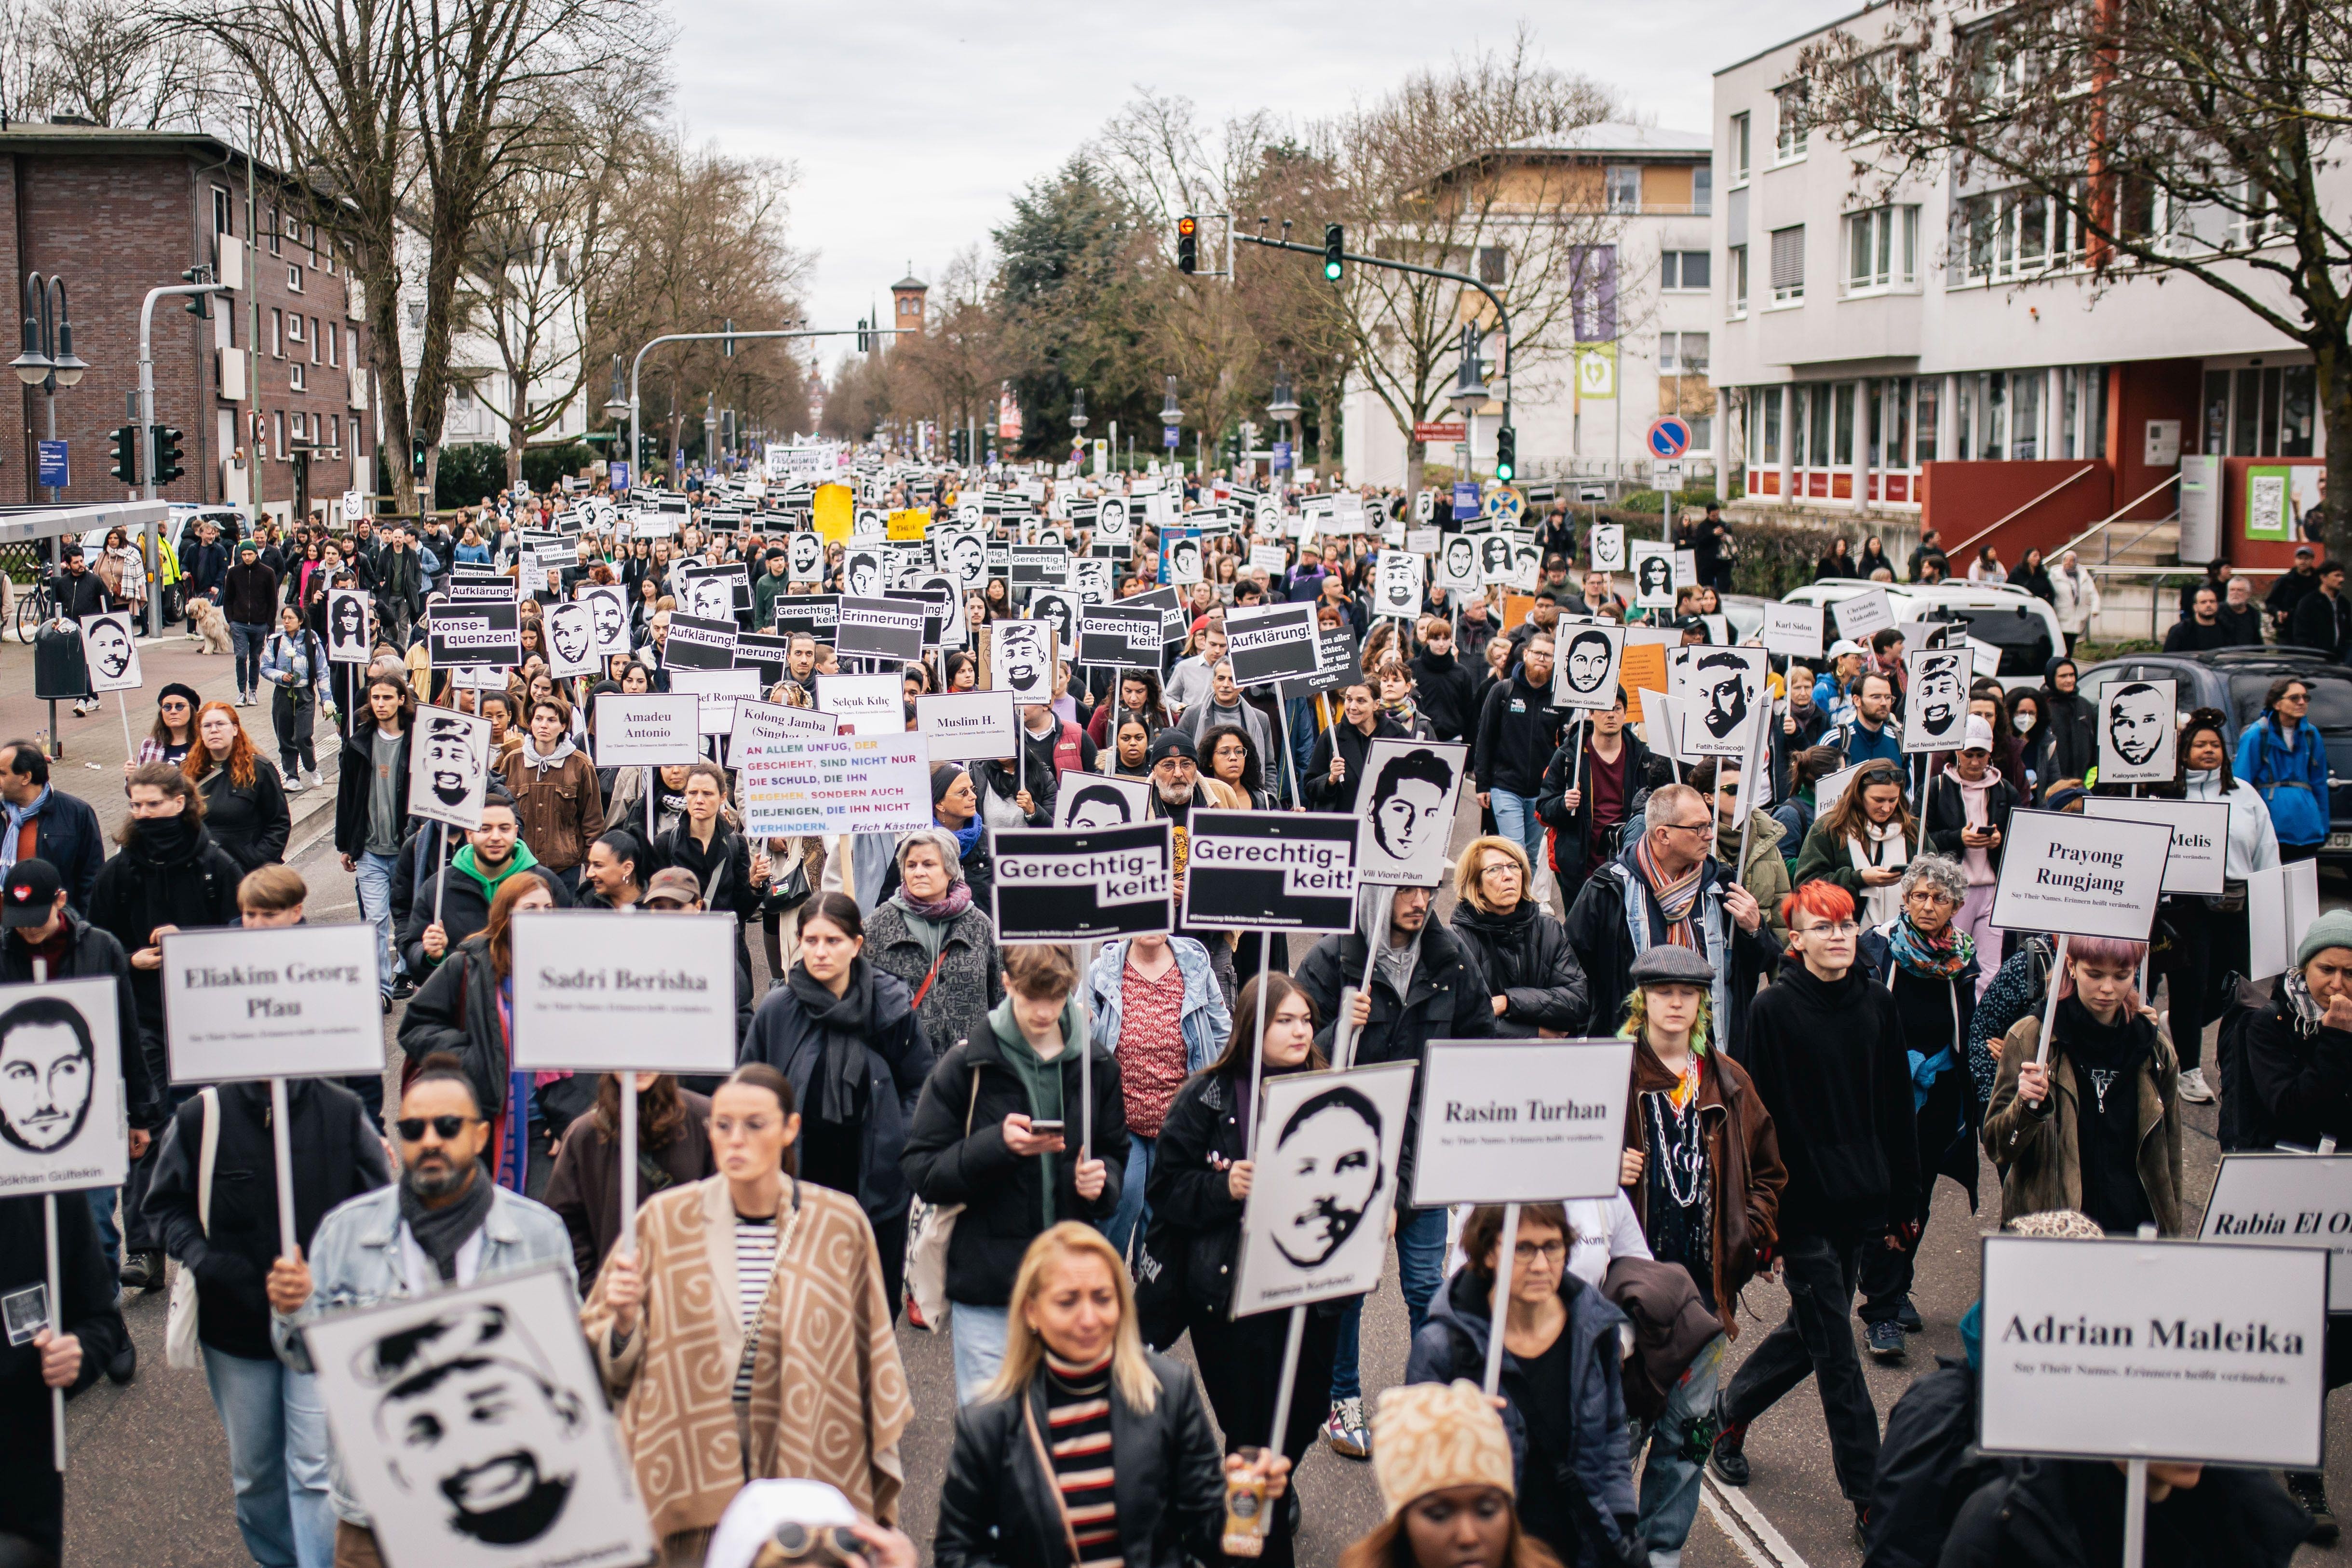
[968, 835]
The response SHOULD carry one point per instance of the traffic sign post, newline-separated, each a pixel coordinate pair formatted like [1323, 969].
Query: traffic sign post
[1669, 437]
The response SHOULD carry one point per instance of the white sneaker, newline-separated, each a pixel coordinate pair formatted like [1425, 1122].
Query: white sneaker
[294, 784]
[2193, 1087]
[312, 780]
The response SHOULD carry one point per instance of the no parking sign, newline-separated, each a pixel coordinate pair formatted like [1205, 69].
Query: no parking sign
[1669, 437]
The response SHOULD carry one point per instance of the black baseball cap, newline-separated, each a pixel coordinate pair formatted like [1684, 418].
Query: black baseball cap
[32, 891]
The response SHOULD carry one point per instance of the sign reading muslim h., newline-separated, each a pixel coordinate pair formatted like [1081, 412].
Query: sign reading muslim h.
[1521, 1121]
[448, 763]
[287, 1002]
[1584, 674]
[62, 1117]
[1270, 870]
[2154, 1349]
[1407, 819]
[645, 729]
[1314, 1227]
[472, 1426]
[2081, 876]
[598, 991]
[2200, 836]
[110, 649]
[1083, 884]
[2284, 1198]
[1274, 643]
[960, 726]
[2137, 732]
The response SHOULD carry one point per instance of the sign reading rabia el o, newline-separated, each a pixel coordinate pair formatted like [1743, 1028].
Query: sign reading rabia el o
[2288, 1199]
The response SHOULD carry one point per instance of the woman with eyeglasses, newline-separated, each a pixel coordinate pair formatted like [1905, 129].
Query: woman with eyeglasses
[175, 731]
[1536, 983]
[1863, 843]
[2283, 758]
[749, 1308]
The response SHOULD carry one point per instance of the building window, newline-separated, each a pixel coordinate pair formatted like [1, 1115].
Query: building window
[1881, 249]
[1624, 187]
[335, 430]
[294, 328]
[1702, 190]
[1788, 265]
[273, 230]
[1682, 353]
[278, 334]
[294, 278]
[1791, 129]
[1490, 264]
[224, 211]
[332, 343]
[2013, 234]
[1928, 399]
[280, 448]
[1740, 124]
[301, 379]
[314, 340]
[1683, 271]
[1735, 261]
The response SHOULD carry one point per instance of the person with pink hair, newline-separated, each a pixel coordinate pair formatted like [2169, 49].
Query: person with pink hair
[2096, 1126]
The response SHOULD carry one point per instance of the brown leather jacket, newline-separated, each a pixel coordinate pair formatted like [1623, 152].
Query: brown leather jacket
[1743, 1157]
[559, 810]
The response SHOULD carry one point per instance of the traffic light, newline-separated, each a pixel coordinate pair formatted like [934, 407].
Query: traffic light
[1507, 454]
[126, 454]
[864, 339]
[167, 454]
[729, 339]
[196, 302]
[1188, 243]
[1332, 246]
[417, 458]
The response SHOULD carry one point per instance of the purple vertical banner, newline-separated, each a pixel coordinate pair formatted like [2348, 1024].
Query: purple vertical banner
[1592, 292]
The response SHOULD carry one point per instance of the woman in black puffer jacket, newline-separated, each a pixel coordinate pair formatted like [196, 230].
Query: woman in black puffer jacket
[1531, 971]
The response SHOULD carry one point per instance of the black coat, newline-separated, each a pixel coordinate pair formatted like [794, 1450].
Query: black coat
[999, 1505]
[336, 1155]
[724, 869]
[353, 779]
[1828, 1062]
[2072, 748]
[1002, 1193]
[2299, 1080]
[1518, 729]
[92, 954]
[465, 910]
[1528, 961]
[2033, 1513]
[1446, 695]
[251, 822]
[2323, 624]
[1574, 829]
[67, 835]
[189, 884]
[455, 1009]
[1352, 745]
[86, 1310]
[1925, 1473]
[1188, 1191]
[1948, 815]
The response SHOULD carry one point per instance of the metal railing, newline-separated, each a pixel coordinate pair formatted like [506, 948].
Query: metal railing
[1954, 554]
[2170, 480]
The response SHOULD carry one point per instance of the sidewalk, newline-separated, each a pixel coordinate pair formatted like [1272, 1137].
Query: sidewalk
[92, 768]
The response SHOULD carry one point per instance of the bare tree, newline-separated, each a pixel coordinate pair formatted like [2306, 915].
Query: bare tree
[954, 369]
[2090, 140]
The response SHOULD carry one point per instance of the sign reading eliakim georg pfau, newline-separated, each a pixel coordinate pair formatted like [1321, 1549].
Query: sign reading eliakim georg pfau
[1083, 884]
[602, 991]
[2287, 1200]
[1521, 1121]
[2081, 876]
[294, 1002]
[2154, 1349]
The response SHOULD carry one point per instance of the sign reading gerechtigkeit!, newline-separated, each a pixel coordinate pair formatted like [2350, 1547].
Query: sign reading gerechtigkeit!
[2081, 876]
[602, 991]
[1269, 870]
[1521, 1121]
[1083, 884]
[1124, 636]
[2154, 1349]
[2288, 1199]
[288, 1002]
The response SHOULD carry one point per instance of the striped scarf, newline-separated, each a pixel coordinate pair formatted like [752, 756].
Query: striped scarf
[1675, 899]
[1077, 1414]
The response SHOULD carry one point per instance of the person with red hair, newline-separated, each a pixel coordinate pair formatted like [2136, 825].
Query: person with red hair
[1825, 1049]
[245, 798]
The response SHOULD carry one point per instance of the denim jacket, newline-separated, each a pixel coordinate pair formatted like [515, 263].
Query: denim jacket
[303, 658]
[355, 1262]
[1205, 1024]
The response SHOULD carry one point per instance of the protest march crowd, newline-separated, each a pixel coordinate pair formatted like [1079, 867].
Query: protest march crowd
[1743, 865]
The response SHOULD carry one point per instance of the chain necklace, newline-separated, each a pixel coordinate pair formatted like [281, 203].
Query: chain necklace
[1678, 1157]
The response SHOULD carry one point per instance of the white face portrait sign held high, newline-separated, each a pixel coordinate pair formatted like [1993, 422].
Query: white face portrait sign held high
[2081, 876]
[288, 1002]
[109, 649]
[1936, 706]
[449, 766]
[2200, 836]
[1408, 817]
[1314, 1223]
[2154, 1349]
[1653, 575]
[1722, 693]
[2137, 733]
[600, 991]
[1521, 1121]
[2288, 1199]
[350, 625]
[1584, 674]
[62, 1118]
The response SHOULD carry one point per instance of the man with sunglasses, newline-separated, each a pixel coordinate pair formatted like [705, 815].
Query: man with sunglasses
[444, 1224]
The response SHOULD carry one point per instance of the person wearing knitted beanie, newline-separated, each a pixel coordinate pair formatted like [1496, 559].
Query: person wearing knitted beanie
[1444, 1466]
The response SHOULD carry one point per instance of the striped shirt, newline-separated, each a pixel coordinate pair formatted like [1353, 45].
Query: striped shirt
[755, 1260]
[1077, 1413]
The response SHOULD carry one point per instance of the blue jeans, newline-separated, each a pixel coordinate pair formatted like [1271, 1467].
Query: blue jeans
[1132, 1214]
[1421, 1269]
[1516, 819]
[247, 641]
[276, 1430]
[977, 1336]
[1679, 1440]
[372, 878]
[102, 1210]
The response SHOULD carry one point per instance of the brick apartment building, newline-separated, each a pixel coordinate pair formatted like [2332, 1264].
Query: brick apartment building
[118, 212]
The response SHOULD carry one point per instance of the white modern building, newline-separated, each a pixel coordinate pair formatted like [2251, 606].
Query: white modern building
[482, 396]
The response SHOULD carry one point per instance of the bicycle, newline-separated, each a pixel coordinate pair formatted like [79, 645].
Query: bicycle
[36, 605]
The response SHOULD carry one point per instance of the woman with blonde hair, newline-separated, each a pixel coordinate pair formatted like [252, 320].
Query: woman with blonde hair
[750, 1310]
[1537, 985]
[1084, 1447]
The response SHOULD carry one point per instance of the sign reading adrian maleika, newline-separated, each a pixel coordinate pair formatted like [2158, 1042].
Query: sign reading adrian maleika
[1270, 870]
[1087, 885]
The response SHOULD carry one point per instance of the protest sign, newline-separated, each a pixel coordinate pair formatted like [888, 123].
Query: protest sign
[1058, 609]
[1338, 664]
[960, 726]
[2081, 876]
[475, 632]
[696, 643]
[1114, 524]
[1269, 870]
[865, 704]
[1863, 615]
[2286, 1198]
[1721, 693]
[62, 1115]
[110, 651]
[1936, 706]
[1038, 565]
[1584, 673]
[350, 625]
[1521, 1121]
[570, 633]
[937, 602]
[713, 593]
[1100, 800]
[963, 551]
[1406, 808]
[1314, 1227]
[1654, 574]
[473, 1426]
[1643, 669]
[1271, 559]
[2137, 734]
[865, 571]
[599, 992]
[449, 766]
[757, 722]
[1457, 564]
[277, 1002]
[647, 729]
[608, 614]
[717, 691]
[1021, 656]
[808, 614]
[2200, 836]
[1397, 584]
[1083, 884]
[1180, 557]
[1498, 559]
[2281, 903]
[877, 627]
[804, 559]
[845, 783]
[1794, 630]
[1276, 642]
[478, 587]
[1608, 547]
[2153, 1350]
[1124, 636]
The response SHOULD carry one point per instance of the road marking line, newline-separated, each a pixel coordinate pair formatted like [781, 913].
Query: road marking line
[1757, 1540]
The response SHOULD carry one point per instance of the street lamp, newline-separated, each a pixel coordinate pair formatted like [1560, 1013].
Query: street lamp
[1283, 410]
[1170, 416]
[48, 360]
[1469, 396]
[616, 408]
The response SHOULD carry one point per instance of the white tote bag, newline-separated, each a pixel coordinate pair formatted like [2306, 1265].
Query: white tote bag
[180, 1346]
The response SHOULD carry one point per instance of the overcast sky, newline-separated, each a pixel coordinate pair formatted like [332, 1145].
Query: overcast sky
[913, 125]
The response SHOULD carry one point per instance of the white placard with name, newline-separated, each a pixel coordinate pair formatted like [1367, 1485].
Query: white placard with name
[2154, 1349]
[756, 723]
[1863, 615]
[2200, 836]
[647, 729]
[288, 1002]
[1793, 629]
[605, 990]
[718, 691]
[865, 704]
[2288, 1199]
[2081, 876]
[961, 726]
[1521, 1121]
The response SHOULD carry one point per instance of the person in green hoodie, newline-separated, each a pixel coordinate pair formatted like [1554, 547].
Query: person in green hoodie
[452, 905]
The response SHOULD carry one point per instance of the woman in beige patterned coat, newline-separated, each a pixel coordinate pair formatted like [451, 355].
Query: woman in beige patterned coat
[748, 1337]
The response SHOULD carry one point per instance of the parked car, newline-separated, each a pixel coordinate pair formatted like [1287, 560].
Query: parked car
[2235, 680]
[2023, 627]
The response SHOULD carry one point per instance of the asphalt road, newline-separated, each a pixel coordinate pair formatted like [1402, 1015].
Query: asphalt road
[148, 1484]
